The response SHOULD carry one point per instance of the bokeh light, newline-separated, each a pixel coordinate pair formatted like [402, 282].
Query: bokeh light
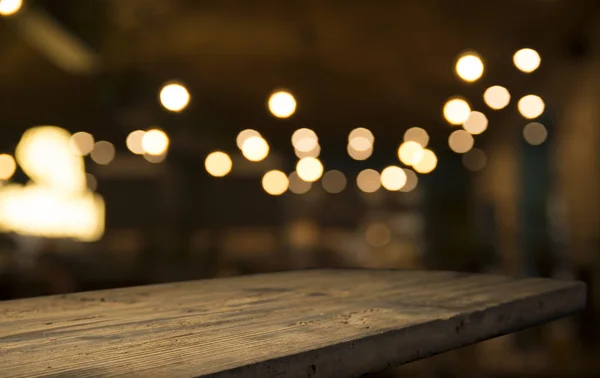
[304, 140]
[460, 141]
[10, 7]
[8, 166]
[361, 139]
[428, 163]
[334, 181]
[531, 106]
[218, 164]
[155, 159]
[393, 178]
[309, 169]
[282, 104]
[378, 235]
[469, 67]
[315, 152]
[496, 97]
[155, 142]
[410, 153]
[275, 182]
[456, 111]
[527, 60]
[535, 133]
[418, 135]
[81, 143]
[297, 185]
[359, 155]
[474, 160]
[368, 181]
[92, 183]
[412, 180]
[244, 135]
[103, 152]
[255, 148]
[174, 97]
[134, 142]
[476, 124]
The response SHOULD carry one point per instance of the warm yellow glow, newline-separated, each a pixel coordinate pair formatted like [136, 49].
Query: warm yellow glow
[368, 181]
[334, 181]
[255, 148]
[244, 135]
[474, 160]
[456, 111]
[393, 178]
[275, 182]
[315, 152]
[282, 104]
[476, 124]
[10, 7]
[309, 169]
[218, 164]
[81, 143]
[469, 67]
[155, 159]
[103, 152]
[305, 140]
[535, 133]
[134, 142]
[174, 97]
[359, 155]
[410, 153]
[44, 154]
[531, 106]
[378, 235]
[460, 141]
[297, 185]
[418, 135]
[527, 60]
[411, 181]
[8, 166]
[361, 139]
[496, 97]
[428, 163]
[155, 142]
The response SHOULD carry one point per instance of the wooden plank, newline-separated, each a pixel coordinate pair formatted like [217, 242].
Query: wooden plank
[315, 323]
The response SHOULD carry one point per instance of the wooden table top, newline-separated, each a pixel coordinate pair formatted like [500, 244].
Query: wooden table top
[313, 323]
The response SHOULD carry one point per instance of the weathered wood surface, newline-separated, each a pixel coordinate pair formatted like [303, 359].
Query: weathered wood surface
[316, 323]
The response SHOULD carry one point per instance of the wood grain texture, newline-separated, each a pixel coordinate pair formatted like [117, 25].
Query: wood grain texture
[314, 323]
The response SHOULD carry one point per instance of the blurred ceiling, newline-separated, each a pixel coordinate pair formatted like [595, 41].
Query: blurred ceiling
[384, 64]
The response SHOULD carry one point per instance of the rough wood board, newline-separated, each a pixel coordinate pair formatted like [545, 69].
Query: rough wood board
[316, 323]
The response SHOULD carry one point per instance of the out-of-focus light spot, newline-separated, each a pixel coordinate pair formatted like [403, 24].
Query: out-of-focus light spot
[456, 111]
[469, 67]
[334, 181]
[474, 160]
[418, 135]
[244, 135]
[361, 139]
[368, 181]
[103, 152]
[428, 162]
[155, 159]
[535, 133]
[359, 155]
[315, 152]
[92, 183]
[255, 148]
[531, 106]
[134, 142]
[309, 169]
[155, 142]
[411, 181]
[10, 7]
[496, 97]
[297, 185]
[218, 164]
[282, 104]
[81, 143]
[378, 235]
[304, 140]
[8, 166]
[174, 97]
[460, 141]
[275, 182]
[410, 153]
[393, 178]
[476, 124]
[527, 60]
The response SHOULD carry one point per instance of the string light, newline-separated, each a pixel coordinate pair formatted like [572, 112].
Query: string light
[460, 141]
[418, 135]
[282, 104]
[410, 152]
[535, 133]
[334, 181]
[218, 164]
[309, 169]
[393, 178]
[411, 181]
[469, 67]
[8, 166]
[297, 185]
[476, 124]
[155, 142]
[174, 97]
[361, 139]
[134, 142]
[275, 182]
[427, 163]
[255, 148]
[368, 181]
[10, 7]
[527, 60]
[81, 143]
[456, 111]
[474, 160]
[103, 152]
[531, 106]
[496, 97]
